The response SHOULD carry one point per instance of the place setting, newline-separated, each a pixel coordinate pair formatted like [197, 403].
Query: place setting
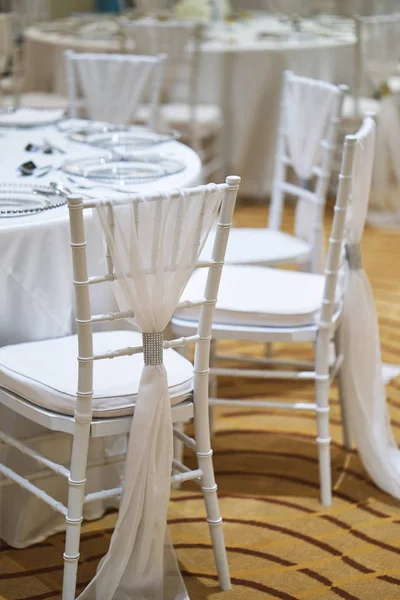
[124, 157]
[18, 199]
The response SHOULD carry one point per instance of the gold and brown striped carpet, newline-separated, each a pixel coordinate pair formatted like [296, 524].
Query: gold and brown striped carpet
[281, 543]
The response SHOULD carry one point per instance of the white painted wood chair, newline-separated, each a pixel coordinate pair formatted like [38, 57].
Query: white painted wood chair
[200, 124]
[376, 89]
[38, 380]
[6, 47]
[375, 65]
[110, 87]
[310, 115]
[27, 12]
[12, 85]
[271, 305]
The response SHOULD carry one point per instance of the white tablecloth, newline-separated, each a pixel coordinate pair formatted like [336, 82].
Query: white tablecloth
[36, 303]
[238, 70]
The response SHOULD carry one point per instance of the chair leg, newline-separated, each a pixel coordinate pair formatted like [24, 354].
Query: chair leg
[323, 438]
[77, 480]
[323, 441]
[178, 452]
[212, 385]
[268, 350]
[208, 486]
[214, 519]
[338, 339]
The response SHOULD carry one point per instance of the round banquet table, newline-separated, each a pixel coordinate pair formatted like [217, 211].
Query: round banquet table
[241, 69]
[37, 303]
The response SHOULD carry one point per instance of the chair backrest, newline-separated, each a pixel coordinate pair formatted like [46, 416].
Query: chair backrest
[113, 85]
[308, 126]
[353, 194]
[6, 43]
[377, 54]
[28, 12]
[153, 245]
[172, 38]
[181, 42]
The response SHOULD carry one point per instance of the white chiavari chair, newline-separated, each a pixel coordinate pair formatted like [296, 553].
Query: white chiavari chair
[11, 27]
[377, 89]
[362, 382]
[309, 120]
[271, 305]
[6, 46]
[376, 59]
[200, 124]
[28, 12]
[112, 86]
[152, 244]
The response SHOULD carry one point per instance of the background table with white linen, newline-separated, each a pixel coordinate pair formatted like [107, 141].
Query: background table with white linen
[241, 69]
[37, 303]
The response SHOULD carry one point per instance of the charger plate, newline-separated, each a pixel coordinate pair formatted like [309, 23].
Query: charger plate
[19, 199]
[109, 168]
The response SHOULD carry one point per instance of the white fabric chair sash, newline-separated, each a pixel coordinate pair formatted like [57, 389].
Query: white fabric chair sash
[364, 388]
[309, 107]
[113, 84]
[380, 50]
[154, 246]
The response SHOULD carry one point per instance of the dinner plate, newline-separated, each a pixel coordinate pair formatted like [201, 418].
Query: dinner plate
[106, 168]
[126, 143]
[78, 130]
[18, 199]
[25, 118]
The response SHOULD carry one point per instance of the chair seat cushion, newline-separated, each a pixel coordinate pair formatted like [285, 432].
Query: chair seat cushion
[260, 246]
[260, 296]
[46, 373]
[178, 116]
[366, 105]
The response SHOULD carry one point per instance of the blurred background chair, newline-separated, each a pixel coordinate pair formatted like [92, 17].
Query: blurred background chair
[199, 124]
[309, 120]
[110, 87]
[6, 52]
[264, 305]
[377, 89]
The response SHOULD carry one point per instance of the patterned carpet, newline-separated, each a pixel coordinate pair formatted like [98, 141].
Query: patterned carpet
[281, 542]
